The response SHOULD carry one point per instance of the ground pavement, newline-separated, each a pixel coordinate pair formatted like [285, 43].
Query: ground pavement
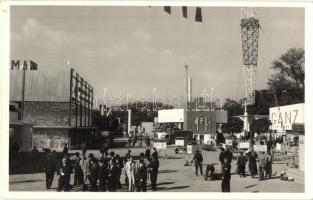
[175, 177]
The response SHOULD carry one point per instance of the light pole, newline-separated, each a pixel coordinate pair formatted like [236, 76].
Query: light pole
[212, 89]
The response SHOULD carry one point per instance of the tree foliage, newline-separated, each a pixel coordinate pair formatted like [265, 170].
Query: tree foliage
[288, 81]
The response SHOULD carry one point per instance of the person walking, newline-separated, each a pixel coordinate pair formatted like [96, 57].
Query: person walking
[142, 176]
[198, 161]
[112, 175]
[241, 164]
[134, 140]
[154, 169]
[78, 173]
[64, 173]
[226, 176]
[252, 158]
[228, 154]
[119, 166]
[84, 164]
[155, 153]
[221, 157]
[65, 150]
[50, 169]
[148, 141]
[102, 174]
[93, 168]
[147, 154]
[268, 169]
[262, 160]
[130, 168]
[130, 140]
[127, 155]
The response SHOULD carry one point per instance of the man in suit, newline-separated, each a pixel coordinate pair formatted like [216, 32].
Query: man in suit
[252, 157]
[221, 157]
[102, 174]
[50, 168]
[112, 175]
[226, 176]
[262, 159]
[228, 154]
[93, 168]
[155, 153]
[142, 176]
[65, 150]
[130, 168]
[198, 161]
[84, 164]
[154, 169]
[268, 171]
[241, 164]
[78, 174]
[64, 173]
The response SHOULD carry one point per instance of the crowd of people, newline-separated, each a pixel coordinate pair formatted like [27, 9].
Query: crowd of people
[259, 164]
[103, 173]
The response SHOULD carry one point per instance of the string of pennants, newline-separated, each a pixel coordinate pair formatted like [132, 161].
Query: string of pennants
[198, 16]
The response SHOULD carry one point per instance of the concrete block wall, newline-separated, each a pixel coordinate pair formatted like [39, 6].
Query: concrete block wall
[50, 138]
[47, 113]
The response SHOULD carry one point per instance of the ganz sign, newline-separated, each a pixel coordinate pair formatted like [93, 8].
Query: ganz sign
[284, 117]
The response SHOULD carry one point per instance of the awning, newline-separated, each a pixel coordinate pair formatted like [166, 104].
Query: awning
[20, 123]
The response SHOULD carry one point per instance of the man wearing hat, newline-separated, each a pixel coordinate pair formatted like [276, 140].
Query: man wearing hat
[198, 161]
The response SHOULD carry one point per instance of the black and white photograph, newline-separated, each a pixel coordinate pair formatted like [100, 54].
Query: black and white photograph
[156, 98]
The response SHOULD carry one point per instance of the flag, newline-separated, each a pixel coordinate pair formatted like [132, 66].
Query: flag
[33, 65]
[184, 8]
[206, 127]
[197, 123]
[167, 9]
[198, 15]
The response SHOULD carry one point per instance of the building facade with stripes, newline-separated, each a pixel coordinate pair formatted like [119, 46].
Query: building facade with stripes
[58, 105]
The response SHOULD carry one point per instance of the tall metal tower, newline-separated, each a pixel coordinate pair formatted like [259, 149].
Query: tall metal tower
[250, 38]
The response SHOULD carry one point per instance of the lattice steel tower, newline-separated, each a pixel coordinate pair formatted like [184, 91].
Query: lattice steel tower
[250, 38]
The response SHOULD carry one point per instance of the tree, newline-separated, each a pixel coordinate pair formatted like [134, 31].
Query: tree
[288, 81]
[233, 108]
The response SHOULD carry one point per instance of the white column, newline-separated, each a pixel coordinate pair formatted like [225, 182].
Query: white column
[129, 121]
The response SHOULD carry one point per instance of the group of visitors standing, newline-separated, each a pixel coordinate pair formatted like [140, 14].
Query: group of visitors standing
[263, 168]
[103, 173]
[264, 159]
[225, 158]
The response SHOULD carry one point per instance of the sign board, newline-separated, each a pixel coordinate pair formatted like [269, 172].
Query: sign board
[229, 142]
[160, 144]
[179, 142]
[171, 116]
[283, 117]
[278, 146]
[189, 149]
[221, 116]
[243, 145]
[259, 148]
[200, 122]
[161, 135]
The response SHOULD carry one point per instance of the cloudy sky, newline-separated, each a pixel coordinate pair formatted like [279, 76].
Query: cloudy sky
[135, 49]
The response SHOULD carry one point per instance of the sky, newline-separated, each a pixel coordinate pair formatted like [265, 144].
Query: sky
[131, 50]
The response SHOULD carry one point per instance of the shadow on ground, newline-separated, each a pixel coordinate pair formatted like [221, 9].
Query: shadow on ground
[167, 171]
[173, 188]
[25, 181]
